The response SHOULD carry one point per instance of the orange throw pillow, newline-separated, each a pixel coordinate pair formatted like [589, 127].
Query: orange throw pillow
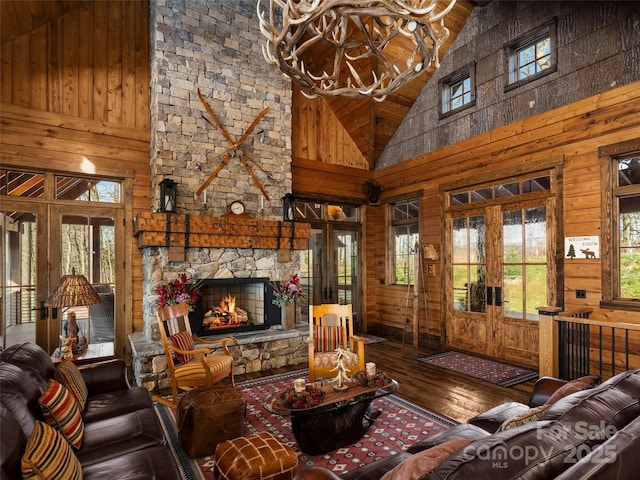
[61, 411]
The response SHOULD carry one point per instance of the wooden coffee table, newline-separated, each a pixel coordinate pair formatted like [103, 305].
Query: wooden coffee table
[340, 420]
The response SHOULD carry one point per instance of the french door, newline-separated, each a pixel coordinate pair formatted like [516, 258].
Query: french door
[40, 244]
[330, 266]
[502, 266]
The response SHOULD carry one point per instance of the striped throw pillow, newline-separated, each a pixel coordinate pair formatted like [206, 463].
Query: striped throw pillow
[61, 411]
[48, 455]
[327, 339]
[183, 341]
[68, 374]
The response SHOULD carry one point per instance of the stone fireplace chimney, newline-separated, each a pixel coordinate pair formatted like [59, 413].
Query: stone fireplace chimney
[214, 47]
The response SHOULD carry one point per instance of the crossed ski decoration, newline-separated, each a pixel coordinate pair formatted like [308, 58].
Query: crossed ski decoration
[235, 150]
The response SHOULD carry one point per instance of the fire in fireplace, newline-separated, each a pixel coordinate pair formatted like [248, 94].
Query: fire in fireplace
[234, 305]
[225, 315]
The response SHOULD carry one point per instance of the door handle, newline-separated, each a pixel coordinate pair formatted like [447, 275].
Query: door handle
[44, 310]
[489, 295]
[498, 296]
[325, 293]
[330, 292]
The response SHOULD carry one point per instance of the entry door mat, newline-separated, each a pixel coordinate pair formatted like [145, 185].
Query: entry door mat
[400, 424]
[481, 368]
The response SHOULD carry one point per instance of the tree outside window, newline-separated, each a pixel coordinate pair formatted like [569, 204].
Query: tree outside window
[405, 226]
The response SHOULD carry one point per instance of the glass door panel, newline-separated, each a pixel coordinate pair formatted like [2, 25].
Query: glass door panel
[311, 267]
[346, 267]
[524, 279]
[469, 263]
[18, 292]
[87, 245]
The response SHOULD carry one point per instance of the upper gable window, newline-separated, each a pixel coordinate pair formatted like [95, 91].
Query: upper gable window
[531, 56]
[457, 91]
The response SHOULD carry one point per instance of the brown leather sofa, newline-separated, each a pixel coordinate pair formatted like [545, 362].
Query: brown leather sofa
[123, 437]
[589, 434]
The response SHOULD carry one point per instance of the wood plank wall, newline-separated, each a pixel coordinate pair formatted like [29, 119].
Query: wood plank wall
[575, 131]
[317, 134]
[91, 63]
[326, 181]
[79, 87]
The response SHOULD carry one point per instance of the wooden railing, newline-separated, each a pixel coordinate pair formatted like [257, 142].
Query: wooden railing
[585, 346]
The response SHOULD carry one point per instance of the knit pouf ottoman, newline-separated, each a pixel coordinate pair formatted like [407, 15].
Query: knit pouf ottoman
[208, 416]
[259, 457]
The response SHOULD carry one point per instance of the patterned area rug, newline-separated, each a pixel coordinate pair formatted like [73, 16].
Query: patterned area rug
[400, 424]
[488, 370]
[369, 339]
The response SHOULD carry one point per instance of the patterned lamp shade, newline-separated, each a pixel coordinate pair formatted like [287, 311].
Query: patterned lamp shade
[73, 291]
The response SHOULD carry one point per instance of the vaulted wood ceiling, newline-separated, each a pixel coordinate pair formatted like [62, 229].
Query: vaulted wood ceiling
[370, 124]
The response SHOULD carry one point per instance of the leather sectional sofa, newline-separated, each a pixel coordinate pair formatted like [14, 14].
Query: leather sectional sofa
[592, 433]
[122, 435]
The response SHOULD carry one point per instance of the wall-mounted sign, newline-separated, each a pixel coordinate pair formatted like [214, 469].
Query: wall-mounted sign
[582, 247]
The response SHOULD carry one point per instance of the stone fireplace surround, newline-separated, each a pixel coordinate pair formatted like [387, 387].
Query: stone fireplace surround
[215, 47]
[254, 350]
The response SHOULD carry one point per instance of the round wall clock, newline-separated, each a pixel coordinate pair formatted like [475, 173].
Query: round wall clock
[237, 207]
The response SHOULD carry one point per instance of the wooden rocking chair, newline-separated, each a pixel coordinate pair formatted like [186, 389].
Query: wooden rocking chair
[189, 366]
[331, 325]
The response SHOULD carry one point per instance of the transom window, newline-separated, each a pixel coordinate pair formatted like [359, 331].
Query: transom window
[87, 190]
[32, 185]
[405, 235]
[501, 190]
[531, 56]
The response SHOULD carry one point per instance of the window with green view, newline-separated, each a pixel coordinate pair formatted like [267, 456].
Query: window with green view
[405, 235]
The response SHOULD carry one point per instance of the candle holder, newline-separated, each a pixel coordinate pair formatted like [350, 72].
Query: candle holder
[299, 384]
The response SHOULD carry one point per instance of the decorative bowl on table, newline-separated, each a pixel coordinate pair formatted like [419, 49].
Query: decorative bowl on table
[379, 380]
[296, 400]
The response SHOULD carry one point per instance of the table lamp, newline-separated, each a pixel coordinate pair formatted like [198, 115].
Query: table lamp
[73, 291]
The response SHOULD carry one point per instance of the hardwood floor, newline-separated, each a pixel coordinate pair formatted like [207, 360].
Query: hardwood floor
[453, 395]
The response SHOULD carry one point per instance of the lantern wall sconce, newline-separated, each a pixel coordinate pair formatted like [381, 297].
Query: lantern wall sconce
[168, 194]
[289, 207]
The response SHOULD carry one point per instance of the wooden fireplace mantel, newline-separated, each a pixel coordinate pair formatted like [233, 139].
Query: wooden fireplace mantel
[226, 231]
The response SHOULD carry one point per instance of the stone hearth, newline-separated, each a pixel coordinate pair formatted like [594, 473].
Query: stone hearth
[253, 352]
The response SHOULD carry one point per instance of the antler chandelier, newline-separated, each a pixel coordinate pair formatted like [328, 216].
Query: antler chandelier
[352, 48]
